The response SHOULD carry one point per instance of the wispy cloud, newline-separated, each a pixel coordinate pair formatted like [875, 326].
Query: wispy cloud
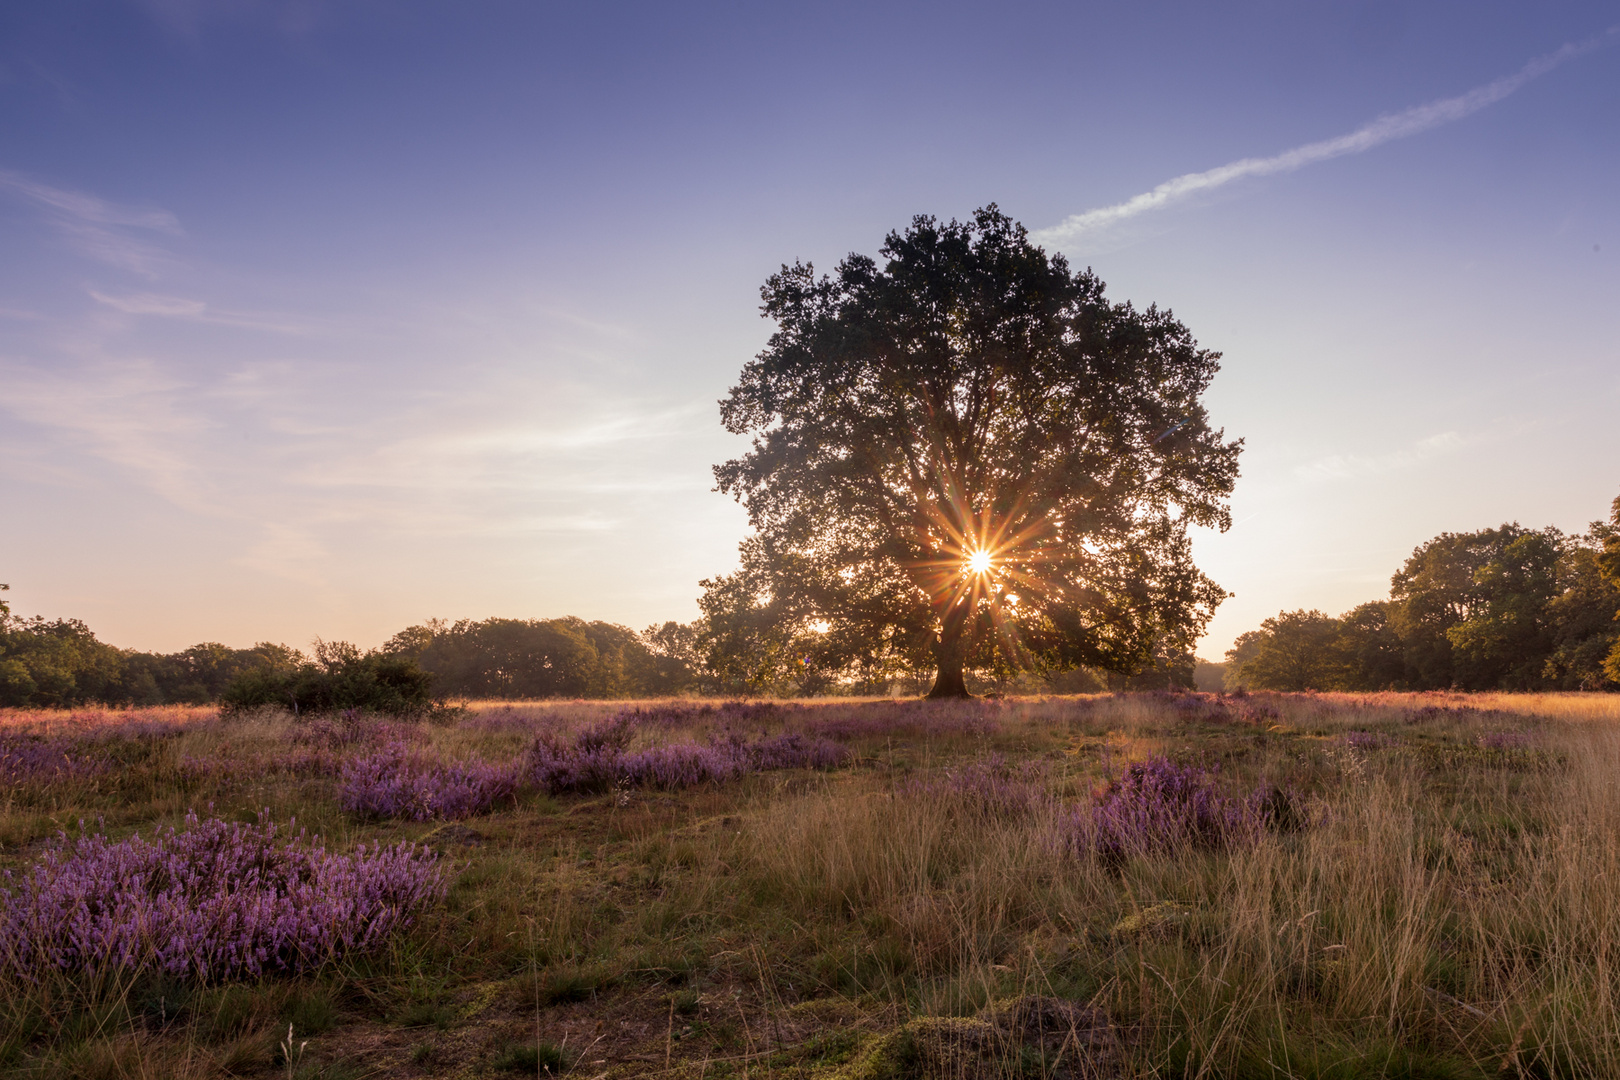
[96, 227]
[180, 307]
[1347, 466]
[1385, 129]
[133, 413]
[153, 304]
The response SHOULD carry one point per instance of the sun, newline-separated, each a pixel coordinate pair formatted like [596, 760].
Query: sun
[979, 562]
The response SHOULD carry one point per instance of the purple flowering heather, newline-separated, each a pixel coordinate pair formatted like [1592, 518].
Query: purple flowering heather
[789, 750]
[1161, 807]
[220, 900]
[1367, 740]
[598, 759]
[32, 759]
[905, 718]
[680, 765]
[1506, 740]
[990, 786]
[394, 783]
[556, 768]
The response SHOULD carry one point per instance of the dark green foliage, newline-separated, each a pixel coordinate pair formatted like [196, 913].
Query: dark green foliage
[1168, 668]
[532, 1059]
[197, 675]
[1470, 607]
[544, 658]
[970, 393]
[56, 663]
[340, 677]
[59, 663]
[1608, 565]
[1370, 651]
[1296, 650]
[1499, 609]
[1582, 620]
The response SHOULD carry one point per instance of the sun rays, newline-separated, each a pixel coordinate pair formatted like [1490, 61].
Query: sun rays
[980, 554]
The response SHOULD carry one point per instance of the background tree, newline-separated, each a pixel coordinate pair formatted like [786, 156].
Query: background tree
[1581, 618]
[1508, 608]
[1370, 652]
[968, 452]
[1470, 606]
[55, 662]
[1608, 564]
[1295, 650]
[539, 658]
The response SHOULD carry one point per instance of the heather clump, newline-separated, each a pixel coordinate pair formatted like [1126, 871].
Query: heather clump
[1506, 740]
[670, 714]
[991, 786]
[788, 750]
[679, 765]
[598, 758]
[216, 901]
[903, 719]
[34, 759]
[1192, 706]
[1159, 807]
[350, 729]
[1368, 740]
[396, 782]
[1432, 714]
[753, 712]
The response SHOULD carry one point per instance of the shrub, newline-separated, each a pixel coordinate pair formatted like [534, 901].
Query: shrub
[219, 900]
[380, 682]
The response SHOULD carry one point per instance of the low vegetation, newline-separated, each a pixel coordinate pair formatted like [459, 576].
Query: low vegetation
[1147, 885]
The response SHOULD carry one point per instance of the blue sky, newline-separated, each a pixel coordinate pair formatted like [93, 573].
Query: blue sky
[322, 319]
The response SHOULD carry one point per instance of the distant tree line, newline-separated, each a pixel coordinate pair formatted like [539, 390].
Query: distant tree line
[60, 663]
[542, 658]
[1508, 608]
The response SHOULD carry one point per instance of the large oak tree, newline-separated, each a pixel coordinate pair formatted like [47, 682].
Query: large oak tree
[967, 450]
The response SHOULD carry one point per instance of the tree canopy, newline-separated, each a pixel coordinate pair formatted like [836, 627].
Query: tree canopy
[1508, 608]
[967, 453]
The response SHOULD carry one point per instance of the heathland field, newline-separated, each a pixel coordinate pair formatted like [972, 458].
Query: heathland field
[1157, 885]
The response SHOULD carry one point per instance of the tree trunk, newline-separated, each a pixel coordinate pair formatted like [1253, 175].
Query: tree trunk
[949, 652]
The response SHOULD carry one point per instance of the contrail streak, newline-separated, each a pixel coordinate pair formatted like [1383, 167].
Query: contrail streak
[1382, 130]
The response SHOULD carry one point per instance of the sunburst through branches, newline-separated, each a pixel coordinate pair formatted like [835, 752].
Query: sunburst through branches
[979, 554]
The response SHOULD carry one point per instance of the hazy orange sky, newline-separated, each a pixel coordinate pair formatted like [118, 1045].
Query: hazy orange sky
[323, 319]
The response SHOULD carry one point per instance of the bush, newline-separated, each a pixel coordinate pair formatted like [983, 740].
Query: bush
[339, 679]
